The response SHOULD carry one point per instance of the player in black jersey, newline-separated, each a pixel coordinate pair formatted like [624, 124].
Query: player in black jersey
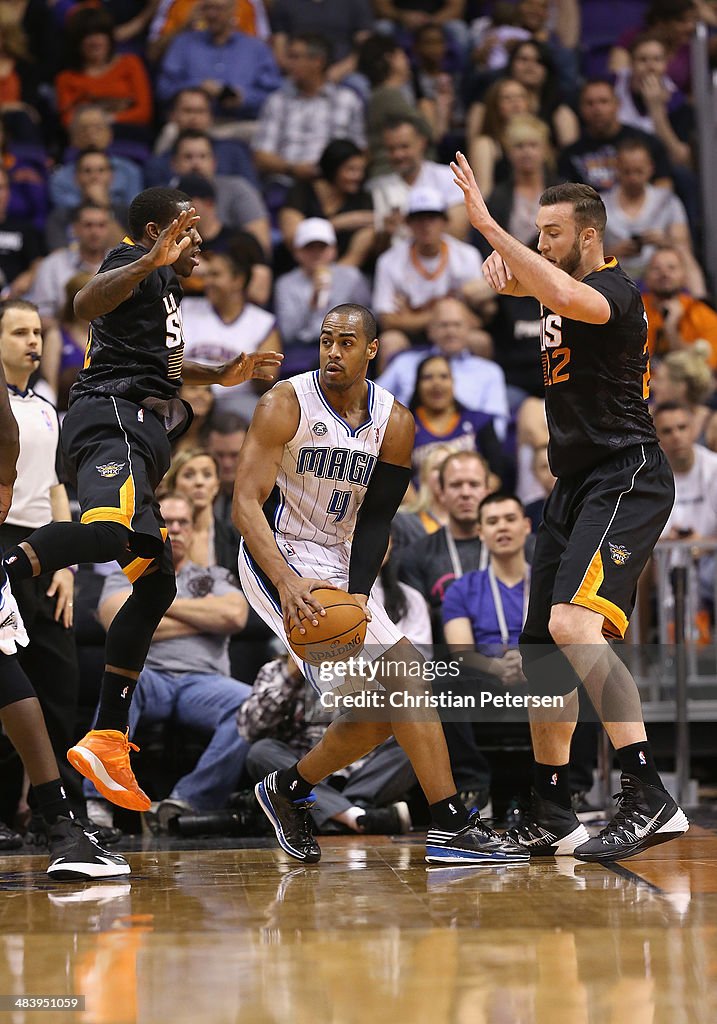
[124, 409]
[612, 498]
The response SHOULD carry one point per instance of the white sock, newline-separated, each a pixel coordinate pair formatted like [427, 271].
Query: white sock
[350, 817]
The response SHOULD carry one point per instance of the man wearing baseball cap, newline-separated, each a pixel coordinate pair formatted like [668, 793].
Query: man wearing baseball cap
[305, 295]
[417, 271]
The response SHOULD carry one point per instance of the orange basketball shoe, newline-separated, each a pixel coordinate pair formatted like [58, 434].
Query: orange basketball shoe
[102, 756]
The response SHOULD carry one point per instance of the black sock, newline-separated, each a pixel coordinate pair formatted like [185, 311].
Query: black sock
[449, 814]
[552, 782]
[292, 785]
[115, 697]
[52, 801]
[637, 759]
[17, 564]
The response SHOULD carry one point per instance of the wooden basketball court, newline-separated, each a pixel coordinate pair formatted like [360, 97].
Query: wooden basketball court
[225, 935]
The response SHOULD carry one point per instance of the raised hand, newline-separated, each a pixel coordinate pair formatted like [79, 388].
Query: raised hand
[475, 203]
[174, 239]
[256, 365]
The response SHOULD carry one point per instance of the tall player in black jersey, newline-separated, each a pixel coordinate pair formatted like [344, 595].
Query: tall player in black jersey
[613, 495]
[123, 412]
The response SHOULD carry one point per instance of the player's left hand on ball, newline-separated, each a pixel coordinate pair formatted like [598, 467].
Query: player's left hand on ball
[298, 603]
[475, 203]
[363, 601]
[256, 366]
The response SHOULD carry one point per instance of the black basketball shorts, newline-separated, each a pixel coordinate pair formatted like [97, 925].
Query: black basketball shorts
[120, 453]
[598, 531]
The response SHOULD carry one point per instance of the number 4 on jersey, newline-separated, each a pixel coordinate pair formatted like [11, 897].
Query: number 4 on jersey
[338, 504]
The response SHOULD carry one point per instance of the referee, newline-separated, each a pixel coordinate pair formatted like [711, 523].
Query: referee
[45, 602]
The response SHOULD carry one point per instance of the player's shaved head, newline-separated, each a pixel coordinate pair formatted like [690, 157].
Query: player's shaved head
[353, 309]
[154, 205]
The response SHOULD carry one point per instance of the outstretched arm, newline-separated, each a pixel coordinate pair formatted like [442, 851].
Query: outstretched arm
[553, 287]
[255, 366]
[108, 290]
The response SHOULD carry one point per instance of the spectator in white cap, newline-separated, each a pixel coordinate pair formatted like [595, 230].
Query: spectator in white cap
[417, 271]
[305, 295]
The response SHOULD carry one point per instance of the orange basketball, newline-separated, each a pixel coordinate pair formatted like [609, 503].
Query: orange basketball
[340, 633]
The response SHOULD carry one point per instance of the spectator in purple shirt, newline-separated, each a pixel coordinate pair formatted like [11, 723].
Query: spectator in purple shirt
[235, 69]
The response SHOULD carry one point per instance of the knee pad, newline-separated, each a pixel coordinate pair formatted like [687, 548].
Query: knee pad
[14, 684]
[545, 666]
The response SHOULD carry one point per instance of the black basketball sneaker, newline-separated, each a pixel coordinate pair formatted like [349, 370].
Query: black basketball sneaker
[291, 820]
[548, 830]
[474, 844]
[76, 854]
[646, 816]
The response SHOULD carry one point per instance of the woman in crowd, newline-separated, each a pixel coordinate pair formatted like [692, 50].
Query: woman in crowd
[195, 474]
[422, 511]
[65, 345]
[95, 74]
[440, 419]
[686, 377]
[531, 65]
[504, 100]
[338, 196]
[515, 202]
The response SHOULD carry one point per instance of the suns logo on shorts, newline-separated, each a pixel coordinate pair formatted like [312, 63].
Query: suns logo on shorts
[110, 469]
[619, 553]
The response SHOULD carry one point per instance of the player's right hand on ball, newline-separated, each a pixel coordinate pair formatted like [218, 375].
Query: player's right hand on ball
[298, 602]
[174, 239]
[363, 601]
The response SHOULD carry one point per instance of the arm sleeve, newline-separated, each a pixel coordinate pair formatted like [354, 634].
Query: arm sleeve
[384, 494]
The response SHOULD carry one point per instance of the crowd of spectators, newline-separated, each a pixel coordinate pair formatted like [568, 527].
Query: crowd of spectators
[313, 138]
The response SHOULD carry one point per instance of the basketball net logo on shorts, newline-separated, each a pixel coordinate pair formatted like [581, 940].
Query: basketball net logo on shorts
[110, 469]
[124, 693]
[641, 757]
[619, 553]
[554, 779]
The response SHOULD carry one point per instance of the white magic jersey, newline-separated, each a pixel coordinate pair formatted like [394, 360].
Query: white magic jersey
[326, 467]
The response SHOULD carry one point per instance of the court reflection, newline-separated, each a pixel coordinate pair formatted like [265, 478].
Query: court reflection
[367, 937]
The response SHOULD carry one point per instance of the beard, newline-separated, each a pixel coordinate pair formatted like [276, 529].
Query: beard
[571, 261]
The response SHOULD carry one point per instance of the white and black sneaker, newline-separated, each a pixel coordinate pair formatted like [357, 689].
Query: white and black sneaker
[474, 844]
[548, 830]
[76, 854]
[291, 820]
[646, 816]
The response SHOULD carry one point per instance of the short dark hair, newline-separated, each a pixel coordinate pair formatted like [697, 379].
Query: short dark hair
[190, 133]
[498, 496]
[633, 144]
[191, 88]
[417, 123]
[335, 156]
[373, 56]
[671, 407]
[368, 320]
[649, 36]
[87, 204]
[459, 457]
[588, 207]
[154, 204]
[316, 43]
[8, 304]
[239, 266]
[597, 80]
[92, 151]
[225, 423]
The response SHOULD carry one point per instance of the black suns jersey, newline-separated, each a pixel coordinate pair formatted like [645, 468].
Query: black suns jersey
[597, 377]
[136, 350]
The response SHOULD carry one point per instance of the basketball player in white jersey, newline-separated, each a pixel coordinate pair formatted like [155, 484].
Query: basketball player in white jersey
[324, 467]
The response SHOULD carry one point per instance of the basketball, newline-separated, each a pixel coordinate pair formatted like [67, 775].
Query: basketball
[340, 633]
